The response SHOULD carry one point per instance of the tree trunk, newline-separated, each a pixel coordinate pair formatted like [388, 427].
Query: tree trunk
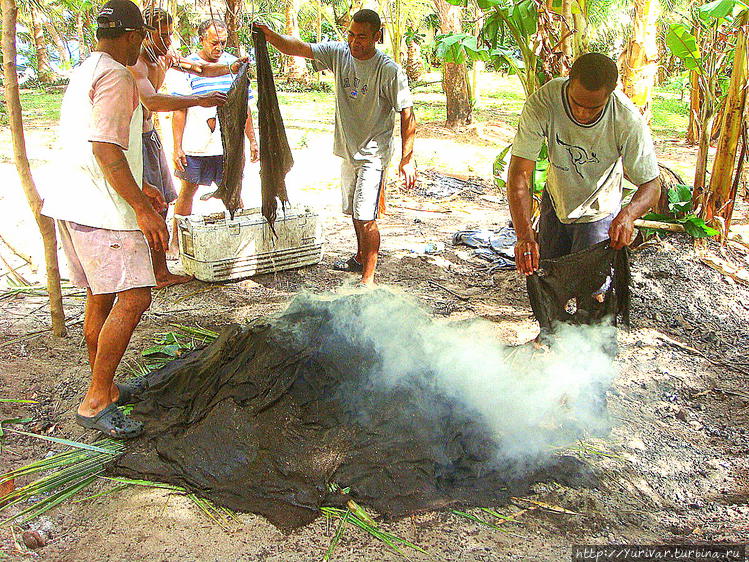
[731, 122]
[46, 225]
[233, 17]
[566, 42]
[694, 109]
[455, 76]
[580, 25]
[700, 173]
[59, 42]
[640, 60]
[43, 70]
[414, 67]
[294, 68]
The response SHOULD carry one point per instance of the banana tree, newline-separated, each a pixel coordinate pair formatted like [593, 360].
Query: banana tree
[721, 196]
[640, 57]
[722, 28]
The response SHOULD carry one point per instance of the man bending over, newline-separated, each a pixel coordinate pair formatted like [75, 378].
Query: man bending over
[595, 137]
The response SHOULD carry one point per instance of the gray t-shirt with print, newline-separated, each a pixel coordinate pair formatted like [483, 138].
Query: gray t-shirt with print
[587, 162]
[368, 94]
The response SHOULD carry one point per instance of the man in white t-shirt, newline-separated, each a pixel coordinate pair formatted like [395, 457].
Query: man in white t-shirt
[198, 151]
[595, 137]
[370, 90]
[107, 218]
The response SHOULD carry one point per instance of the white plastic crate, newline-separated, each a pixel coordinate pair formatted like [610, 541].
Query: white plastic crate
[216, 247]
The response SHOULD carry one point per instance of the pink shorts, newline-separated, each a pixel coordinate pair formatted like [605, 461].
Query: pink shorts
[106, 261]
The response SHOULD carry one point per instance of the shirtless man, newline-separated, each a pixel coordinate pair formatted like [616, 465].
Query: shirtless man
[149, 73]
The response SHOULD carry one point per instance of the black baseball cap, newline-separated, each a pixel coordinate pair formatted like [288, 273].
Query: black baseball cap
[121, 14]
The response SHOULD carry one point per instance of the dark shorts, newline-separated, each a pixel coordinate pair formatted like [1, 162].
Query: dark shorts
[203, 170]
[557, 239]
[155, 167]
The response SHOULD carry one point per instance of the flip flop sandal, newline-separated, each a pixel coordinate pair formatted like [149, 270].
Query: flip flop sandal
[112, 423]
[131, 390]
[350, 265]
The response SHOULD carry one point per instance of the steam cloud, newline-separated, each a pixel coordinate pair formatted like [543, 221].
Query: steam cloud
[530, 401]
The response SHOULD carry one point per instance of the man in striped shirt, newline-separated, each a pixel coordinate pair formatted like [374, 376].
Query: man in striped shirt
[198, 152]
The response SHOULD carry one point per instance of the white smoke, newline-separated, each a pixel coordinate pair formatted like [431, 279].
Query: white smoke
[532, 401]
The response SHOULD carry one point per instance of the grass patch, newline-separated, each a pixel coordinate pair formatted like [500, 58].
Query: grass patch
[670, 116]
[41, 108]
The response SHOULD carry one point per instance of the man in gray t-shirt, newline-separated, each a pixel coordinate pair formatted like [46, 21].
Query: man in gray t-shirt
[370, 89]
[595, 137]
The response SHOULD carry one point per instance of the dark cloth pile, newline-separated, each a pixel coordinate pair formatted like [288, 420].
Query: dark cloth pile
[563, 288]
[232, 117]
[497, 247]
[275, 153]
[271, 413]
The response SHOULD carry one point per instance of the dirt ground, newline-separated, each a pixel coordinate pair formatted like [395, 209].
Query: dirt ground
[676, 463]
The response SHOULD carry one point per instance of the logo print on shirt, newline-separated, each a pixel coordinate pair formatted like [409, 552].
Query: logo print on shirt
[357, 88]
[578, 155]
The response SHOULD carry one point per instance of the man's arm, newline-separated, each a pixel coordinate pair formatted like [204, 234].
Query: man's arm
[117, 172]
[519, 197]
[163, 102]
[178, 130]
[623, 225]
[408, 131]
[249, 130]
[207, 69]
[286, 44]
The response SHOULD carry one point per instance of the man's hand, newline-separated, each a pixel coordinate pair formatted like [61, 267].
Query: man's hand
[267, 31]
[254, 151]
[211, 99]
[155, 197]
[153, 227]
[408, 170]
[237, 64]
[526, 255]
[180, 160]
[622, 230]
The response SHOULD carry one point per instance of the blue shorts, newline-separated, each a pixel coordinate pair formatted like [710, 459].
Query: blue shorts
[203, 170]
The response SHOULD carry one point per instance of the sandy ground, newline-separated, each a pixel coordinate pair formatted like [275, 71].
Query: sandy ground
[676, 464]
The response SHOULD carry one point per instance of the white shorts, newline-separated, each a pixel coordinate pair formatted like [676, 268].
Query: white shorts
[361, 188]
[106, 261]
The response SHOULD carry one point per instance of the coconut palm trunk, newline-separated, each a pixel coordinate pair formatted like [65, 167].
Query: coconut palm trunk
[46, 225]
[43, 70]
[233, 17]
[414, 68]
[454, 76]
[294, 68]
[640, 60]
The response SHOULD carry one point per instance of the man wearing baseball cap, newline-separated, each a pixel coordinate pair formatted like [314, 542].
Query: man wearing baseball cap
[107, 217]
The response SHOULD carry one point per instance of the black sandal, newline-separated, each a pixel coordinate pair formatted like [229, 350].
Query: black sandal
[131, 390]
[112, 423]
[350, 265]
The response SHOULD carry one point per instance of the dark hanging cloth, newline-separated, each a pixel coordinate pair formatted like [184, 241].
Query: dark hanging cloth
[275, 154]
[265, 417]
[232, 117]
[568, 283]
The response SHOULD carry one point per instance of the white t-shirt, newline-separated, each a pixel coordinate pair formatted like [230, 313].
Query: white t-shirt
[368, 93]
[198, 139]
[100, 104]
[587, 162]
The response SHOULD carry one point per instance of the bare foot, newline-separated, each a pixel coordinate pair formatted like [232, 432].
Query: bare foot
[172, 279]
[172, 253]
